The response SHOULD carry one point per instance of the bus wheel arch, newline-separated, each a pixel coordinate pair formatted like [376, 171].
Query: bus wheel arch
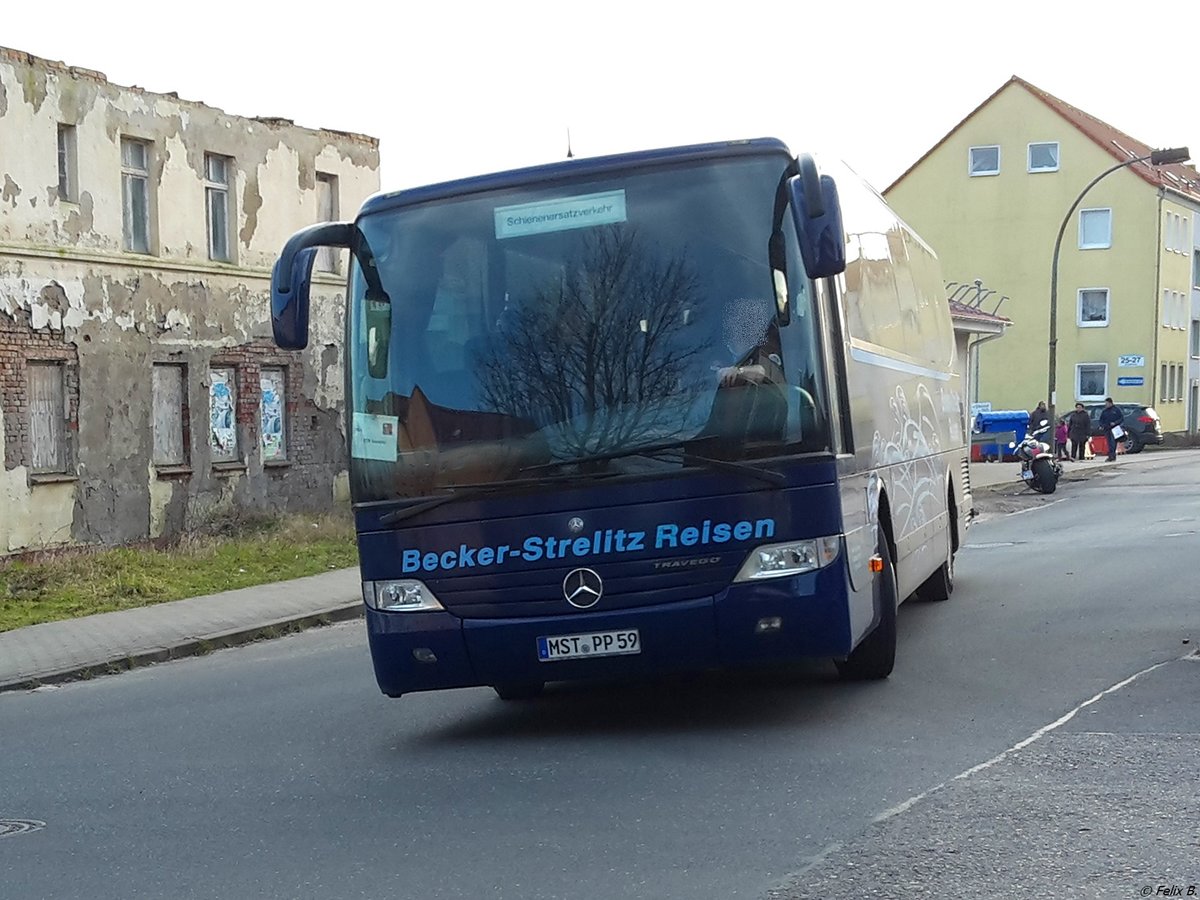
[875, 656]
[940, 584]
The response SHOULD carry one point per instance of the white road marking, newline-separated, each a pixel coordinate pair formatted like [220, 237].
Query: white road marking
[1020, 745]
[1021, 512]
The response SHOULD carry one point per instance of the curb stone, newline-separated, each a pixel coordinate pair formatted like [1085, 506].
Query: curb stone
[194, 647]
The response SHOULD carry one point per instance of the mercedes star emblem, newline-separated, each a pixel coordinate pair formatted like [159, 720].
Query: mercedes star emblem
[582, 588]
[576, 525]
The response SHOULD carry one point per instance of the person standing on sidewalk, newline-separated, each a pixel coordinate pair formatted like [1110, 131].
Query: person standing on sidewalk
[1060, 440]
[1111, 418]
[1079, 428]
[1039, 415]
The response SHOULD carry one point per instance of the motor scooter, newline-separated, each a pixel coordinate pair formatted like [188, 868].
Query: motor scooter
[1039, 469]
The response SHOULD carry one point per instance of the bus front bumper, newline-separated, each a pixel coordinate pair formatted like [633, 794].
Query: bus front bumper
[746, 624]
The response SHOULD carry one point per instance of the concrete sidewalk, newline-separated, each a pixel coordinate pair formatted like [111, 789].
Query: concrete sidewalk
[1005, 474]
[108, 642]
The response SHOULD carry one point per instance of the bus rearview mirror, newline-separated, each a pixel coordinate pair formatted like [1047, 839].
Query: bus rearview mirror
[379, 335]
[818, 217]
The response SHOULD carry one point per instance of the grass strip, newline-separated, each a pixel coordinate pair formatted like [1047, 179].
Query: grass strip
[223, 557]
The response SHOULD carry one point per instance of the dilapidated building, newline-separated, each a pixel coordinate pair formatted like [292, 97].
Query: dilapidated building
[141, 392]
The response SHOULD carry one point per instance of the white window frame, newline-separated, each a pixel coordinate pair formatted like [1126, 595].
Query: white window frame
[1162, 387]
[1078, 379]
[971, 161]
[1083, 323]
[218, 170]
[1029, 156]
[1096, 246]
[68, 163]
[1194, 339]
[132, 173]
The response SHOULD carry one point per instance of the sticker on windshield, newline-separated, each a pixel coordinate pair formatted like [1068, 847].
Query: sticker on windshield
[374, 437]
[584, 211]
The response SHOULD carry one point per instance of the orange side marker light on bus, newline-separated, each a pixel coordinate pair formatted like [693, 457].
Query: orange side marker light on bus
[876, 563]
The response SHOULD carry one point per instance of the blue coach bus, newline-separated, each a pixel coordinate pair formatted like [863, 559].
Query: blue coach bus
[655, 412]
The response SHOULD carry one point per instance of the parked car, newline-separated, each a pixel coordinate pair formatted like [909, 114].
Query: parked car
[1141, 424]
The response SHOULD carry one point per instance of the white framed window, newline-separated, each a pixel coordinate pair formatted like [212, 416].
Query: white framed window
[68, 164]
[983, 160]
[1194, 343]
[1091, 381]
[1196, 268]
[1043, 157]
[135, 195]
[1095, 229]
[1093, 307]
[217, 173]
[1162, 383]
[327, 211]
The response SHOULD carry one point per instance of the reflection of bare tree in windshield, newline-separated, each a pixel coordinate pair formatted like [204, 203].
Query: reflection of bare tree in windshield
[595, 354]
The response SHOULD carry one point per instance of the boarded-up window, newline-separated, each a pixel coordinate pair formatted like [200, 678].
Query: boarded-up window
[47, 418]
[170, 415]
[273, 412]
[222, 415]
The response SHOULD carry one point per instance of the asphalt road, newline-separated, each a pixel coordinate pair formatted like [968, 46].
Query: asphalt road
[276, 770]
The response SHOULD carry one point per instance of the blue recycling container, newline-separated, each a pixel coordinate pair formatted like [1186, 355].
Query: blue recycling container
[1005, 421]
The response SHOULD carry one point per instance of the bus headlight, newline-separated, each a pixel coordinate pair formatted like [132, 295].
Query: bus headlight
[402, 595]
[791, 558]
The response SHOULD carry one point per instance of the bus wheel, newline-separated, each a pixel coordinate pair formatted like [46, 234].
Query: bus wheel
[875, 656]
[521, 691]
[940, 585]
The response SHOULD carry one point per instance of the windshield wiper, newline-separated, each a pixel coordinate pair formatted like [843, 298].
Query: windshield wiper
[467, 492]
[654, 451]
[770, 476]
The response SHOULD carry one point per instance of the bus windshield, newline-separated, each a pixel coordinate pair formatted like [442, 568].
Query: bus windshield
[609, 324]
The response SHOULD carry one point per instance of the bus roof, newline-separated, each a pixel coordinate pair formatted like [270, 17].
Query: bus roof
[572, 168]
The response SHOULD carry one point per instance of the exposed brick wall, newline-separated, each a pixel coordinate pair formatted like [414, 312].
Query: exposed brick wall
[20, 345]
[306, 425]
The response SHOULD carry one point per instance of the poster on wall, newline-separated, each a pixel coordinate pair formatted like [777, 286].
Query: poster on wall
[222, 415]
[271, 384]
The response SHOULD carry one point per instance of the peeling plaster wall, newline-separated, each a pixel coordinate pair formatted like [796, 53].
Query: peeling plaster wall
[63, 273]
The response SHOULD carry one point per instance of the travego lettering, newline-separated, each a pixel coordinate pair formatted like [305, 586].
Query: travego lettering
[535, 548]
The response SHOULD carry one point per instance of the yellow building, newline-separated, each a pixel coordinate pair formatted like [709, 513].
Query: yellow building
[991, 196]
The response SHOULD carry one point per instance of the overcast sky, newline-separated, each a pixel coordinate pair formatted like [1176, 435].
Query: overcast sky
[454, 89]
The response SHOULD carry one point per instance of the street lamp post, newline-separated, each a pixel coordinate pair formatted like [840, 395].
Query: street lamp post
[1157, 158]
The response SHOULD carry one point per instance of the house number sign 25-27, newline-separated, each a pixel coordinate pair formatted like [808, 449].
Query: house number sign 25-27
[1131, 361]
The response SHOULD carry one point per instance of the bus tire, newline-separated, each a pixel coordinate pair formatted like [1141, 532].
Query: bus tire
[519, 691]
[875, 656]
